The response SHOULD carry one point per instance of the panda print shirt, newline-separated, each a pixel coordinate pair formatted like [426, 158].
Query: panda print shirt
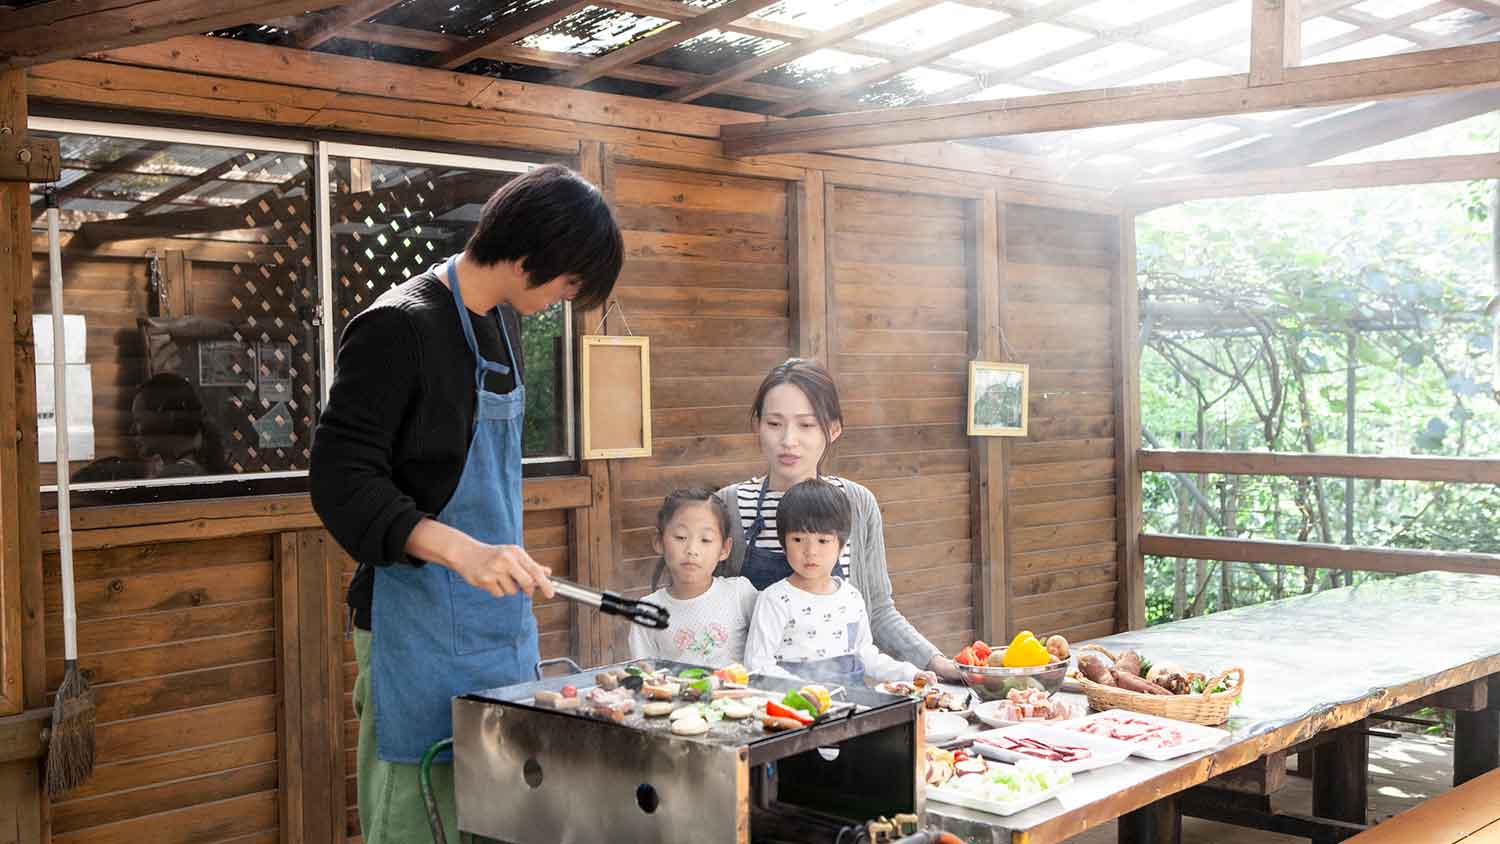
[791, 626]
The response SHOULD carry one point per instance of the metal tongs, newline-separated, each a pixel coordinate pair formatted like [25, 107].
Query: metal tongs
[612, 603]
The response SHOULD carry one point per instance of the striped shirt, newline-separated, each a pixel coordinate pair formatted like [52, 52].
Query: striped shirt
[749, 494]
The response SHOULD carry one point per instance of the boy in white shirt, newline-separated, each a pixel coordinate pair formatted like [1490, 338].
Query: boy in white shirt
[813, 625]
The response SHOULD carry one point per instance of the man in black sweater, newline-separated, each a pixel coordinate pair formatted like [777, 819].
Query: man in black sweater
[416, 472]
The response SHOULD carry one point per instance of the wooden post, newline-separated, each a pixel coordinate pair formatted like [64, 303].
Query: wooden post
[22, 640]
[810, 295]
[1476, 740]
[1155, 823]
[593, 532]
[311, 719]
[1132, 591]
[1275, 39]
[987, 455]
[1341, 775]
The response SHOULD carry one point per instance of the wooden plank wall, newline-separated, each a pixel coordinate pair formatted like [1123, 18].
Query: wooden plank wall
[1057, 308]
[899, 299]
[706, 277]
[547, 534]
[179, 642]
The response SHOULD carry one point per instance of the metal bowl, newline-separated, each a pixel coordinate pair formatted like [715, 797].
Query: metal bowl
[994, 683]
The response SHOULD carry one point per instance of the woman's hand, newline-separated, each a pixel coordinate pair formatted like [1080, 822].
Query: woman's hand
[945, 668]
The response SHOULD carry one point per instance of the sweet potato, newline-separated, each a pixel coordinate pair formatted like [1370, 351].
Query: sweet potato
[1130, 663]
[1136, 683]
[1093, 667]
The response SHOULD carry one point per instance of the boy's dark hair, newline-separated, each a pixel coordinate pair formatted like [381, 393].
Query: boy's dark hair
[674, 502]
[814, 506]
[554, 223]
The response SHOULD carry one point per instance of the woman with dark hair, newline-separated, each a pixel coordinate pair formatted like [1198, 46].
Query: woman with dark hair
[173, 437]
[796, 416]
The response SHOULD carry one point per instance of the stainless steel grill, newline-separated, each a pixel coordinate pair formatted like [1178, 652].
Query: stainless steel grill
[528, 774]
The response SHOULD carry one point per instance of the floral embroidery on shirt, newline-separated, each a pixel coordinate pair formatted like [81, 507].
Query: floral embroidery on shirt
[702, 642]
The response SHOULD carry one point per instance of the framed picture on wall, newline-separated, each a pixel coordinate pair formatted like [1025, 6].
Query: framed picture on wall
[998, 398]
[615, 392]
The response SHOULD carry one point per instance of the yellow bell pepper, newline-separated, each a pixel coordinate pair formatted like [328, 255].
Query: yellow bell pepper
[1025, 651]
[818, 696]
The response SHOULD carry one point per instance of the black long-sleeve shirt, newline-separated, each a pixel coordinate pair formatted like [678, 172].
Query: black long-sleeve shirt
[392, 440]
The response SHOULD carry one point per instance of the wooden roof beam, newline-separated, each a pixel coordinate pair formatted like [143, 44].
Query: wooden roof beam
[1275, 39]
[661, 41]
[795, 50]
[63, 29]
[1155, 193]
[327, 27]
[507, 29]
[1405, 75]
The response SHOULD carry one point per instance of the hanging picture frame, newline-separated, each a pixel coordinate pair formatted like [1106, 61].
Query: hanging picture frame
[999, 395]
[615, 397]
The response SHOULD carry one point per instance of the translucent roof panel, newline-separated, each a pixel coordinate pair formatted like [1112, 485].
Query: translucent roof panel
[593, 31]
[933, 26]
[1114, 13]
[714, 50]
[1108, 61]
[1474, 136]
[816, 68]
[1212, 25]
[1237, 143]
[1318, 30]
[1023, 45]
[819, 15]
[1387, 9]
[1002, 92]
[1190, 69]
[1192, 136]
[912, 86]
[1452, 23]
[1380, 45]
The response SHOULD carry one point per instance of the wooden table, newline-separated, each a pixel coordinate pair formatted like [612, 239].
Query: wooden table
[1317, 666]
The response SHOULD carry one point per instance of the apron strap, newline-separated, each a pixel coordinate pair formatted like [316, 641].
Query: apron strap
[482, 366]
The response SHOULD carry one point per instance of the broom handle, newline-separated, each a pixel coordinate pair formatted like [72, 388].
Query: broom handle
[60, 425]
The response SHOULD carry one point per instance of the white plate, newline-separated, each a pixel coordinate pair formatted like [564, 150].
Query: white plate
[968, 801]
[988, 713]
[1104, 751]
[944, 726]
[1195, 737]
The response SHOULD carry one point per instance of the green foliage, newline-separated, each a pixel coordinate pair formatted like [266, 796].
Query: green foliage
[1249, 307]
[546, 422]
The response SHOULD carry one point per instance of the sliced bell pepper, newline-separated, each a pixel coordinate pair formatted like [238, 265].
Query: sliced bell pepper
[968, 657]
[795, 700]
[981, 650]
[777, 710]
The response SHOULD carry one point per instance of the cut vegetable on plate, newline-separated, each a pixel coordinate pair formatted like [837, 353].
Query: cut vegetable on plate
[998, 788]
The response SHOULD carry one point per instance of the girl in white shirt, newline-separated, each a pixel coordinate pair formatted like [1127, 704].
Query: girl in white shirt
[812, 624]
[709, 615]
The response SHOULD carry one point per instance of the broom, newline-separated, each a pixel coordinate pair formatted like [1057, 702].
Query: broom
[70, 742]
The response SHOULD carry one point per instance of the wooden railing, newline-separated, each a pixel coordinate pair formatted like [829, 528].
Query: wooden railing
[1467, 470]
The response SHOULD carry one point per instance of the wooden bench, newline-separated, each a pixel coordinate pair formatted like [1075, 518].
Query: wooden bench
[1469, 814]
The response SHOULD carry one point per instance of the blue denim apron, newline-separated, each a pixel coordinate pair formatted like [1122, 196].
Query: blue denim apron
[847, 670]
[434, 635]
[763, 566]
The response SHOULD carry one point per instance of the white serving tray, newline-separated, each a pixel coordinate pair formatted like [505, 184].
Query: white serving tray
[957, 798]
[1196, 737]
[1105, 751]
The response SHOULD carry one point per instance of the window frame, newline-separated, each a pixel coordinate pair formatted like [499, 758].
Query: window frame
[318, 152]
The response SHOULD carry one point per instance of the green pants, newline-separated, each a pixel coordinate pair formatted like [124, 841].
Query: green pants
[390, 794]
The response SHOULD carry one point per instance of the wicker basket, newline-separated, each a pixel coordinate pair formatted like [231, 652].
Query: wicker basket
[1208, 709]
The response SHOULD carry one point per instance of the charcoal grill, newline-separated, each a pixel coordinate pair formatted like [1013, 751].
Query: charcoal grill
[528, 774]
